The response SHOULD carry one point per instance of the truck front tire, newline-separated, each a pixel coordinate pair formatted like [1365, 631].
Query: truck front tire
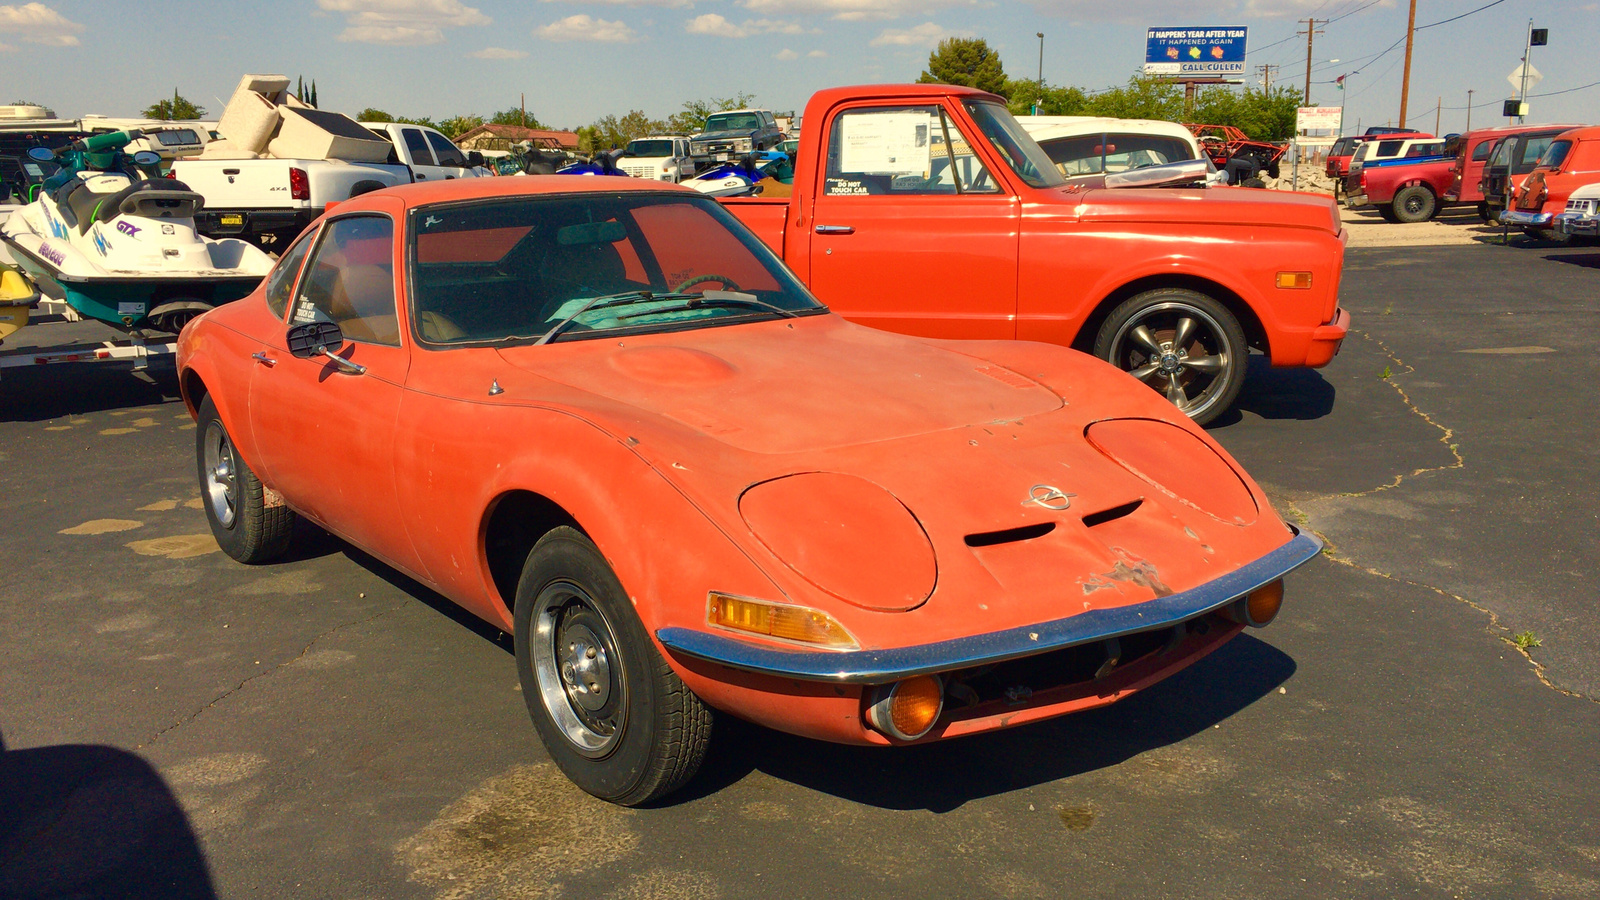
[1179, 342]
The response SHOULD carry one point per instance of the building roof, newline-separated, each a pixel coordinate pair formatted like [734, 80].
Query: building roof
[566, 140]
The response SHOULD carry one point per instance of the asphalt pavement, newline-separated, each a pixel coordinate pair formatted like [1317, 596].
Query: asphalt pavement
[177, 725]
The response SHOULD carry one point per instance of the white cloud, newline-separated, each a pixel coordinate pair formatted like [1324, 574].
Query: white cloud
[584, 28]
[786, 54]
[39, 24]
[851, 10]
[669, 4]
[497, 53]
[817, 54]
[1145, 11]
[716, 25]
[925, 35]
[401, 22]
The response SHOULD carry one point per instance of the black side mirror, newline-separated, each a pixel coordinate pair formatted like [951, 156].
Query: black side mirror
[474, 159]
[314, 339]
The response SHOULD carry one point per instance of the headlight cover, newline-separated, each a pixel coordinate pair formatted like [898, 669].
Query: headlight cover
[1178, 463]
[845, 535]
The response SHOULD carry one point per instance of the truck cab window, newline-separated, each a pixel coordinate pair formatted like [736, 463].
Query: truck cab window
[902, 150]
[446, 152]
[418, 145]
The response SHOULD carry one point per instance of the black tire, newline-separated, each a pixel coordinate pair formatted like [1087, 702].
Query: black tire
[233, 497]
[1415, 204]
[1272, 169]
[611, 712]
[1483, 212]
[1213, 329]
[1253, 182]
[1387, 211]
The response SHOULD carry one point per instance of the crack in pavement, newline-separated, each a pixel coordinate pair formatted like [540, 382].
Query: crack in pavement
[1330, 549]
[240, 686]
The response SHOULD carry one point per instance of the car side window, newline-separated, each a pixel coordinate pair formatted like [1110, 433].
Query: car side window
[418, 145]
[281, 282]
[350, 281]
[446, 152]
[904, 150]
[1481, 152]
[1388, 148]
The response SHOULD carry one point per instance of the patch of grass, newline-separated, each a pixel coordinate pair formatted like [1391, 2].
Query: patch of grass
[1385, 373]
[1388, 309]
[1525, 640]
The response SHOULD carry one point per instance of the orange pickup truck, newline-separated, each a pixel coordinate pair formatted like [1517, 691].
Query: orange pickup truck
[928, 210]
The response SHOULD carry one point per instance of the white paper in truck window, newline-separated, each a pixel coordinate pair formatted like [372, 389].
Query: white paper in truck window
[888, 143]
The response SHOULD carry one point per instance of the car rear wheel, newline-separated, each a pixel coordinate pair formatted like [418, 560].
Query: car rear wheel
[612, 714]
[1414, 204]
[245, 527]
[1483, 212]
[1181, 343]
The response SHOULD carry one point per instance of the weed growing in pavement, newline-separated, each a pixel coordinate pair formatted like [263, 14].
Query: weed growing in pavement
[1388, 309]
[1525, 640]
[1385, 373]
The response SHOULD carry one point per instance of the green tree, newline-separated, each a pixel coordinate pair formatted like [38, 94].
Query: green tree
[1263, 115]
[515, 116]
[459, 125]
[1144, 97]
[306, 94]
[966, 61]
[176, 108]
[372, 114]
[692, 117]
[1052, 100]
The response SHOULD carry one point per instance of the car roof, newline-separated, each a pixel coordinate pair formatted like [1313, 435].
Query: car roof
[1050, 127]
[459, 189]
[1582, 133]
[1505, 130]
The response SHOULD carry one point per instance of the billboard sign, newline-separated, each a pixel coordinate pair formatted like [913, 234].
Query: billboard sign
[1194, 51]
[1318, 118]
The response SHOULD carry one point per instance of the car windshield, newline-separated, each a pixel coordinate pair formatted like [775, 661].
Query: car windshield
[1502, 152]
[1555, 153]
[734, 122]
[512, 269]
[1343, 147]
[1021, 153]
[648, 149]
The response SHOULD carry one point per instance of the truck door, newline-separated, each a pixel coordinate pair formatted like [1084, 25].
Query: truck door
[452, 162]
[422, 164]
[910, 231]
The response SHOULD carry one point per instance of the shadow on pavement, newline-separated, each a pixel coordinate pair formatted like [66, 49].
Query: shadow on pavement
[943, 776]
[1589, 259]
[93, 822]
[428, 596]
[42, 393]
[1279, 394]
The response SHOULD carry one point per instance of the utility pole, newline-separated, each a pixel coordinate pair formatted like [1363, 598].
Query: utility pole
[1469, 109]
[1405, 80]
[1437, 110]
[1311, 30]
[1266, 76]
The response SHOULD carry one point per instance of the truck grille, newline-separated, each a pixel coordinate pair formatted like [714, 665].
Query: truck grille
[1583, 207]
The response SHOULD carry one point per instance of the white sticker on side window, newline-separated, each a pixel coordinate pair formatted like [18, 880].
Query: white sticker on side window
[887, 143]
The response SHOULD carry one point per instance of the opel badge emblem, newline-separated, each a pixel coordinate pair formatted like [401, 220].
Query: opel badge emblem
[1049, 497]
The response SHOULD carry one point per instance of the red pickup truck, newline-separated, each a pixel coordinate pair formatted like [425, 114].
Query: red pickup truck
[928, 210]
[1404, 190]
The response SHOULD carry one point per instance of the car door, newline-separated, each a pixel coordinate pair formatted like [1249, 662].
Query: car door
[423, 167]
[325, 430]
[452, 162]
[910, 230]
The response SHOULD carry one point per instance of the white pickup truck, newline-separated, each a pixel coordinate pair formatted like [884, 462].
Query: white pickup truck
[663, 157]
[269, 201]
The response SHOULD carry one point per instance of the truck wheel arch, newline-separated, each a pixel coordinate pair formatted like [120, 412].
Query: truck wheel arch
[1255, 333]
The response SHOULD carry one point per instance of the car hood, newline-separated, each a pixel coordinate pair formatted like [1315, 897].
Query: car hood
[723, 135]
[835, 384]
[1208, 207]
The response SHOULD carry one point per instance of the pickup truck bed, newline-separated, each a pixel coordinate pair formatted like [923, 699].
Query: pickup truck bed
[276, 199]
[1404, 190]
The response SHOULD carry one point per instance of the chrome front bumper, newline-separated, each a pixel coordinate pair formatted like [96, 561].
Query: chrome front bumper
[1354, 201]
[1576, 224]
[884, 666]
[1526, 219]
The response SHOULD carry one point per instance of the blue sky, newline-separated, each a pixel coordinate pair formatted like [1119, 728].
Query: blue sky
[578, 61]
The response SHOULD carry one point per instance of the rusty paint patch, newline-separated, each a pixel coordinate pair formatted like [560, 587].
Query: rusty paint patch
[1127, 570]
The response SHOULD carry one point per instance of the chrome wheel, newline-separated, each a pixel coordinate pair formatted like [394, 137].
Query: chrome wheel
[1180, 350]
[579, 673]
[221, 468]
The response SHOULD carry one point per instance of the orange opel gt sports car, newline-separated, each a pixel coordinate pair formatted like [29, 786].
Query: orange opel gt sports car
[601, 415]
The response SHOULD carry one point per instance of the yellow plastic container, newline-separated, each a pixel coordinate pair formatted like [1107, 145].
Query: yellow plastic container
[17, 297]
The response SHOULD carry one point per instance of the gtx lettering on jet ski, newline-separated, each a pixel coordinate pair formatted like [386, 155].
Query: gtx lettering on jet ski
[128, 228]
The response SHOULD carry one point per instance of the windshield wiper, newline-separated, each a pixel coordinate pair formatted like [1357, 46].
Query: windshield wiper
[714, 299]
[602, 302]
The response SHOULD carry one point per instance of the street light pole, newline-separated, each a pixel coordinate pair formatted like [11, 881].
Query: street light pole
[1522, 95]
[1469, 109]
[1040, 36]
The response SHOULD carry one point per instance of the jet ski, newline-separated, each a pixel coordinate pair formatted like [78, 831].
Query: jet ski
[18, 297]
[118, 243]
[742, 178]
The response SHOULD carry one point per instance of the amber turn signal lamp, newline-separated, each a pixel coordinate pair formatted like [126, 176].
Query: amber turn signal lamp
[799, 624]
[1297, 281]
[907, 710]
[1257, 608]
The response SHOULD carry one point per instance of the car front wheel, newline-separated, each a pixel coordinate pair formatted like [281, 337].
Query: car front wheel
[245, 527]
[1181, 343]
[611, 712]
[1414, 204]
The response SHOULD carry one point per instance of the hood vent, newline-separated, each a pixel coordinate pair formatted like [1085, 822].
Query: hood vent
[1010, 535]
[1112, 514]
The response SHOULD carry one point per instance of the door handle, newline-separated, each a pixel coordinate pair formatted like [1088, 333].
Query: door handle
[836, 229]
[264, 359]
[421, 176]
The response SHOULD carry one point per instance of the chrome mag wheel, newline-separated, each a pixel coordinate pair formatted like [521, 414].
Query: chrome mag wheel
[1180, 350]
[579, 671]
[221, 468]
